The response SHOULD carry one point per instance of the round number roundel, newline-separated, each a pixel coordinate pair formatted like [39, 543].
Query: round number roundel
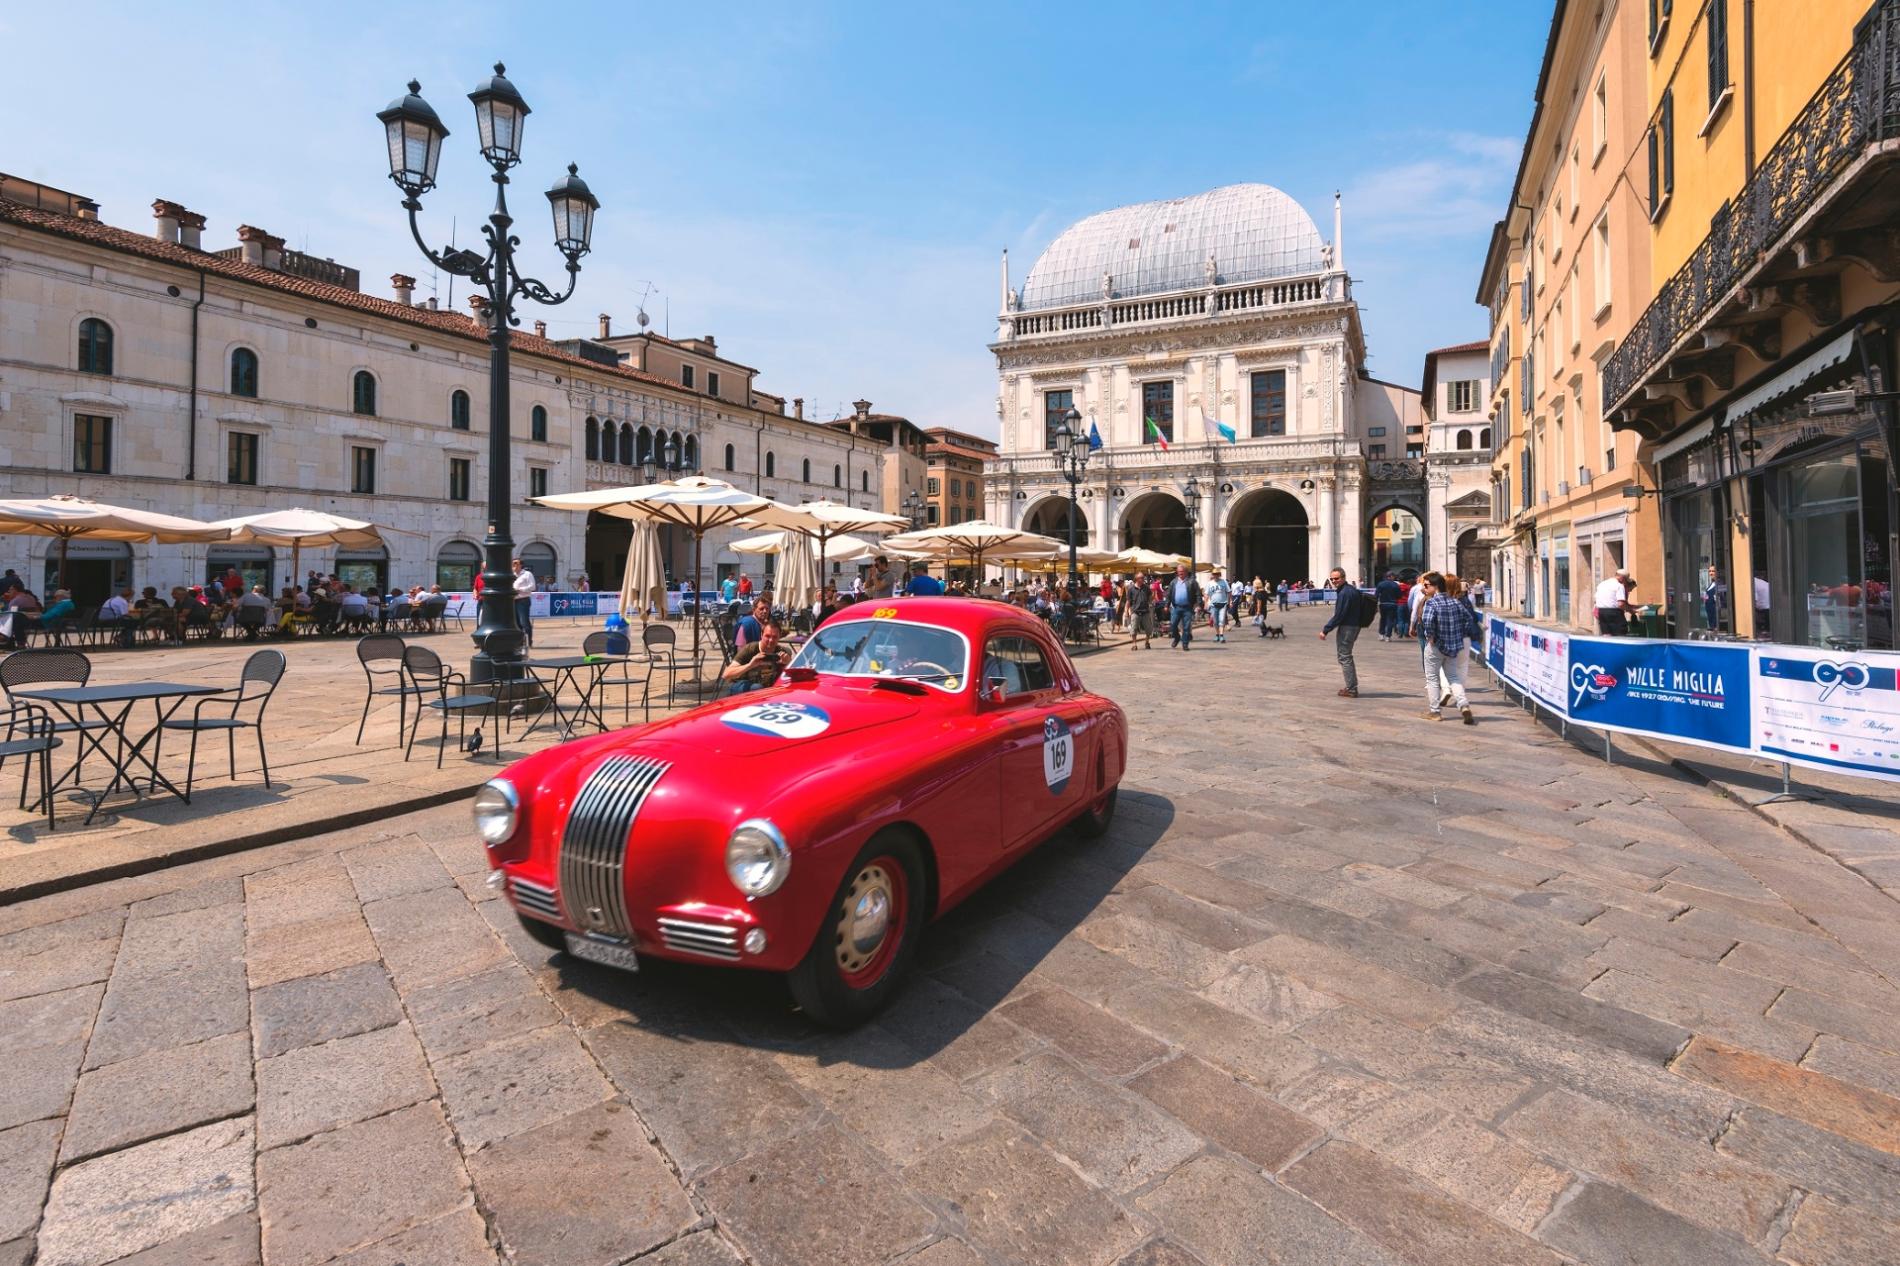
[780, 720]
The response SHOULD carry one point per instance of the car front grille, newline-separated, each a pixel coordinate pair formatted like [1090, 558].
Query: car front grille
[532, 898]
[689, 936]
[594, 845]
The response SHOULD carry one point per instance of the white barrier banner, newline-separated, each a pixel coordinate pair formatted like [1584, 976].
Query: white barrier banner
[1828, 709]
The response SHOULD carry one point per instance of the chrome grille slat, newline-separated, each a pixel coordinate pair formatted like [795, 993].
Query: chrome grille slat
[689, 936]
[593, 845]
[534, 899]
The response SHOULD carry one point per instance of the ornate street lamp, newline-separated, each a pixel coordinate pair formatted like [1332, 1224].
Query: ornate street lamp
[1072, 452]
[1193, 499]
[913, 509]
[415, 134]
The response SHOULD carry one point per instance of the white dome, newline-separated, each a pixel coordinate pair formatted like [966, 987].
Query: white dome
[1251, 232]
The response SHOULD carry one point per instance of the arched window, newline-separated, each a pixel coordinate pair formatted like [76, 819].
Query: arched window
[95, 346]
[1464, 440]
[244, 372]
[1484, 438]
[771, 466]
[732, 462]
[538, 424]
[363, 393]
[627, 455]
[807, 475]
[645, 447]
[593, 440]
[864, 477]
[689, 452]
[837, 476]
[458, 410]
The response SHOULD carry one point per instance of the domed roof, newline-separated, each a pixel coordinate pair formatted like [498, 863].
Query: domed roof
[1250, 231]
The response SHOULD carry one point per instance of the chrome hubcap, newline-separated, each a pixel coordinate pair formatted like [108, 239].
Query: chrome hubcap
[866, 918]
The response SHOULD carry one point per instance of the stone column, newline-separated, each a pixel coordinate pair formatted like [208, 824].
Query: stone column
[1327, 551]
[1352, 527]
[1437, 532]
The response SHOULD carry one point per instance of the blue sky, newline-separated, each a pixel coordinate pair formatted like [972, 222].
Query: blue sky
[825, 187]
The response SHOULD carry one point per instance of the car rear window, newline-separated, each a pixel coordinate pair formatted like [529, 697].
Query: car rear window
[887, 648]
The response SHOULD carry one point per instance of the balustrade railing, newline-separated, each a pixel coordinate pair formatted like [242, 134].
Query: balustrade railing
[1151, 456]
[1199, 305]
[1858, 105]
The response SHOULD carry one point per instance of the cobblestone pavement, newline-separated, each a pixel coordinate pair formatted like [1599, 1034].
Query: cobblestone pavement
[1341, 986]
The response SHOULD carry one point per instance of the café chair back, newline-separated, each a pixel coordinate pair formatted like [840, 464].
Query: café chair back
[445, 690]
[381, 657]
[240, 708]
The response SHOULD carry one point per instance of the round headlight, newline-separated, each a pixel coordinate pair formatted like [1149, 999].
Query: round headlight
[496, 808]
[757, 860]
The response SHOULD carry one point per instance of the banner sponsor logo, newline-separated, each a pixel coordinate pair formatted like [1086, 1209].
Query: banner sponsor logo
[1673, 690]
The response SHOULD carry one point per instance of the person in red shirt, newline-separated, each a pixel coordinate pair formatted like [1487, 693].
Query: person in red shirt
[745, 585]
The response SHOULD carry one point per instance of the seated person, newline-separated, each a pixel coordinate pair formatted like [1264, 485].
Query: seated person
[757, 664]
[61, 608]
[294, 609]
[354, 605]
[752, 627]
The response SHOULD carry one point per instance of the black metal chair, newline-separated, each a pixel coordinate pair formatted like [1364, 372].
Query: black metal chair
[252, 620]
[385, 649]
[433, 612]
[256, 684]
[619, 646]
[46, 666]
[29, 733]
[662, 648]
[432, 677]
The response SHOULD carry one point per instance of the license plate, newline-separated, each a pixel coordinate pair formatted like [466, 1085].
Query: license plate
[595, 950]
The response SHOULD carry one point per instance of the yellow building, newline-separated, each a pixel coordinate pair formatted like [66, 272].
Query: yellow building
[1759, 374]
[1566, 274]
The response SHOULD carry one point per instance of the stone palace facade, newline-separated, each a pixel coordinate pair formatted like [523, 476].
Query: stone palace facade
[1212, 338]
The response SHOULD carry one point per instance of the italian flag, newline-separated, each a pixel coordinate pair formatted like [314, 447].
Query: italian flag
[1154, 434]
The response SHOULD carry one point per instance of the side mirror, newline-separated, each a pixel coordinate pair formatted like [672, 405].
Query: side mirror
[993, 693]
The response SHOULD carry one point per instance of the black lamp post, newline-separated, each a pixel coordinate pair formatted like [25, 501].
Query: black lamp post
[913, 509]
[1072, 458]
[415, 136]
[1192, 497]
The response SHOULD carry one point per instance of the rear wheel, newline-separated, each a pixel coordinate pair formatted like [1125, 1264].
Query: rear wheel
[546, 933]
[861, 953]
[1096, 819]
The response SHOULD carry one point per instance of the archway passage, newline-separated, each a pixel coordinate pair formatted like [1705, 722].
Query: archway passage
[1473, 559]
[608, 540]
[1269, 537]
[1398, 543]
[1050, 517]
[1158, 522]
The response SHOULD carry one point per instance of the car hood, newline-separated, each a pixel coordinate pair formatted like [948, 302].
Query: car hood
[799, 716]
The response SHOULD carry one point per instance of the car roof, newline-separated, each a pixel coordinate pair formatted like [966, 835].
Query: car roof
[972, 617]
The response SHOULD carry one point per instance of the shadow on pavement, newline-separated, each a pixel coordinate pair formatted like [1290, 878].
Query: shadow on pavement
[989, 943]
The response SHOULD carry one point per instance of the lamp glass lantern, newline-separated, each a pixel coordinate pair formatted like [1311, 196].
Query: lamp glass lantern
[649, 465]
[499, 116]
[673, 453]
[1193, 499]
[415, 134]
[574, 205]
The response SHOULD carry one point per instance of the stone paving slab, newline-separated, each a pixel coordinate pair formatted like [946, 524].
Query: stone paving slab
[1340, 989]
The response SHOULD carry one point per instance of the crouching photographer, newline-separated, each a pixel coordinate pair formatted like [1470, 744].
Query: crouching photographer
[756, 665]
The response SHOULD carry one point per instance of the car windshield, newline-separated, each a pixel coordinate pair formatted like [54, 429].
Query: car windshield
[887, 648]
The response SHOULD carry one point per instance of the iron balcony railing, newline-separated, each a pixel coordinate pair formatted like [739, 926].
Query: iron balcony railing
[1857, 106]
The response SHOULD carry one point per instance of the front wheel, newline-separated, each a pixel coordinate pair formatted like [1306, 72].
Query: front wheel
[859, 957]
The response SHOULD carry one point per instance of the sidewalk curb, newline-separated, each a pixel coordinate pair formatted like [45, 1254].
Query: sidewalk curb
[242, 844]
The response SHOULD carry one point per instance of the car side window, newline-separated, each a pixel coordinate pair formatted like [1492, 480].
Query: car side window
[1017, 664]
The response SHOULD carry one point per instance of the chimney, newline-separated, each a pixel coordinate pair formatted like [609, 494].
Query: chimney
[606, 326]
[251, 241]
[86, 209]
[798, 408]
[709, 342]
[405, 288]
[165, 217]
[432, 303]
[478, 310]
[274, 253]
[191, 227]
[540, 329]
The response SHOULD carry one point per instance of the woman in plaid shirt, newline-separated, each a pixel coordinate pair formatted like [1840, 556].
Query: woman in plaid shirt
[1447, 624]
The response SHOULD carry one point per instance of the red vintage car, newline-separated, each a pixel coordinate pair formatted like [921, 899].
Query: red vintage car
[911, 750]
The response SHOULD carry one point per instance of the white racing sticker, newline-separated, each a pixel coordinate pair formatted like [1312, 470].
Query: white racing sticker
[780, 720]
[1058, 753]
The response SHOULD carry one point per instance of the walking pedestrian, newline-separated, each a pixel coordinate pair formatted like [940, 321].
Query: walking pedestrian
[1347, 601]
[1219, 596]
[1140, 602]
[1184, 595]
[1448, 625]
[1389, 595]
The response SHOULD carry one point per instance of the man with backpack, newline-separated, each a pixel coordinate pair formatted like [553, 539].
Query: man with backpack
[1352, 611]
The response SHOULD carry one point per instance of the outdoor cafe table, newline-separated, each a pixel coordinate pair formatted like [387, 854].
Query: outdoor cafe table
[114, 705]
[563, 668]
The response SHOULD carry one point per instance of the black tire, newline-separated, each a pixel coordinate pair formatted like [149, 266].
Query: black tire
[823, 984]
[546, 933]
[1098, 817]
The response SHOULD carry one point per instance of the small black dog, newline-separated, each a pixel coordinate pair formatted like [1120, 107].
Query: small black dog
[1273, 630]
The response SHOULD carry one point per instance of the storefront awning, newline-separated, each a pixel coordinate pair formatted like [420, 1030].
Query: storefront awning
[1687, 440]
[1794, 377]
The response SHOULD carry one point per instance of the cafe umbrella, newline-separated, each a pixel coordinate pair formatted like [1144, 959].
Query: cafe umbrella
[975, 540]
[297, 528]
[644, 585]
[696, 503]
[66, 517]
